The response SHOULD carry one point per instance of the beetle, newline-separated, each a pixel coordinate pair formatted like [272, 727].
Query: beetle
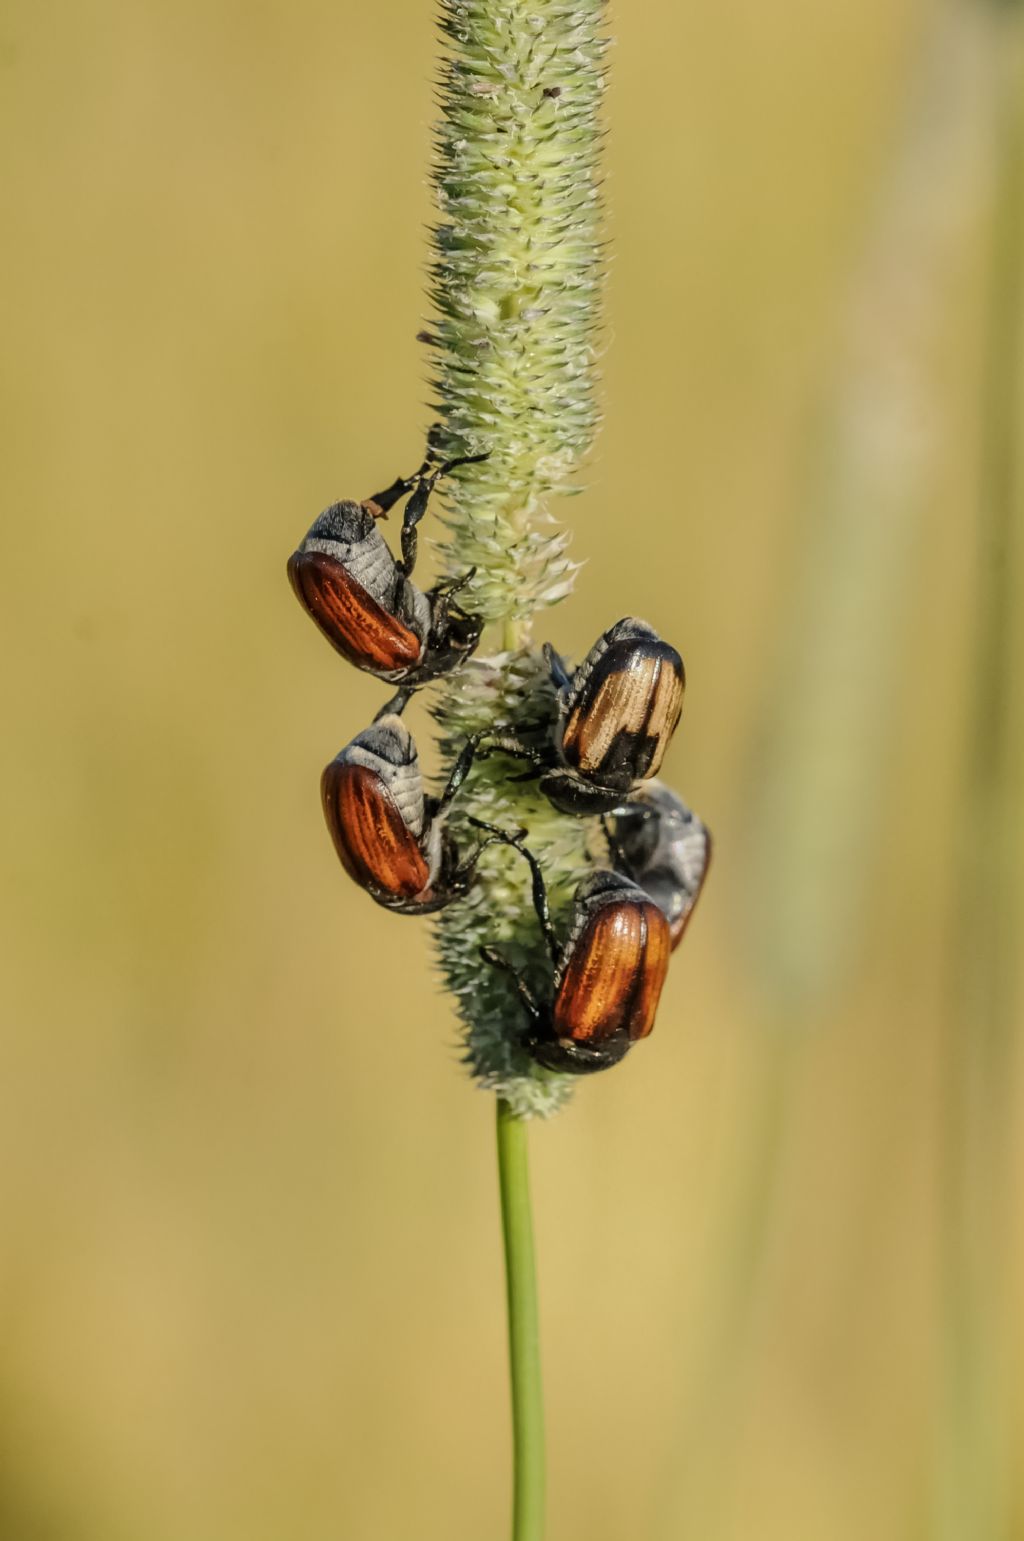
[364, 601]
[390, 836]
[607, 975]
[658, 842]
[616, 714]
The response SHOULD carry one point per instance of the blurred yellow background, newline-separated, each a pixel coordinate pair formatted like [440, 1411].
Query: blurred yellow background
[250, 1274]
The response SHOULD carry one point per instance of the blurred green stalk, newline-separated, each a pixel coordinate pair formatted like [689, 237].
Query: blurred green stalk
[830, 702]
[975, 1486]
[523, 1328]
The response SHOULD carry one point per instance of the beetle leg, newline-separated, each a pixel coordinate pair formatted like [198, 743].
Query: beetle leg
[513, 837]
[441, 600]
[498, 960]
[414, 511]
[395, 705]
[556, 663]
[615, 850]
[540, 893]
[460, 460]
[540, 904]
[417, 505]
[460, 770]
[461, 877]
[381, 502]
[500, 743]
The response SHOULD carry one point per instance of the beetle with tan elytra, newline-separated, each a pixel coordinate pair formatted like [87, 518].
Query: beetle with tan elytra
[616, 714]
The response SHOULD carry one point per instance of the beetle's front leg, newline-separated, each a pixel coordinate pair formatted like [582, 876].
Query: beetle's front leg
[381, 502]
[414, 511]
[560, 673]
[417, 506]
[540, 894]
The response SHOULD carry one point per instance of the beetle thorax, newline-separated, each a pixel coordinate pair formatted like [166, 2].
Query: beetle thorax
[404, 783]
[347, 533]
[387, 749]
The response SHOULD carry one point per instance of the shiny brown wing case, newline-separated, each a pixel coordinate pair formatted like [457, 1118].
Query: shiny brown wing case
[613, 977]
[353, 623]
[374, 844]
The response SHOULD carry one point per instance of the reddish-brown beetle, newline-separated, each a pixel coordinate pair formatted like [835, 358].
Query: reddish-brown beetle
[391, 837]
[659, 843]
[607, 977]
[616, 715]
[364, 601]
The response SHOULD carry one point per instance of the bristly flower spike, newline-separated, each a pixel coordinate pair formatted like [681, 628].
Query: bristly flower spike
[515, 283]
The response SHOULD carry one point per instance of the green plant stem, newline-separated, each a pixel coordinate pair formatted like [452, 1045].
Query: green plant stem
[523, 1328]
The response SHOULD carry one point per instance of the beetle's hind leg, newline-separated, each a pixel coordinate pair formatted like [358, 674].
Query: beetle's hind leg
[540, 894]
[462, 876]
[526, 996]
[395, 705]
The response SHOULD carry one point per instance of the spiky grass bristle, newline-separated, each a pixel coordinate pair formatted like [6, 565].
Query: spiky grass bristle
[515, 281]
